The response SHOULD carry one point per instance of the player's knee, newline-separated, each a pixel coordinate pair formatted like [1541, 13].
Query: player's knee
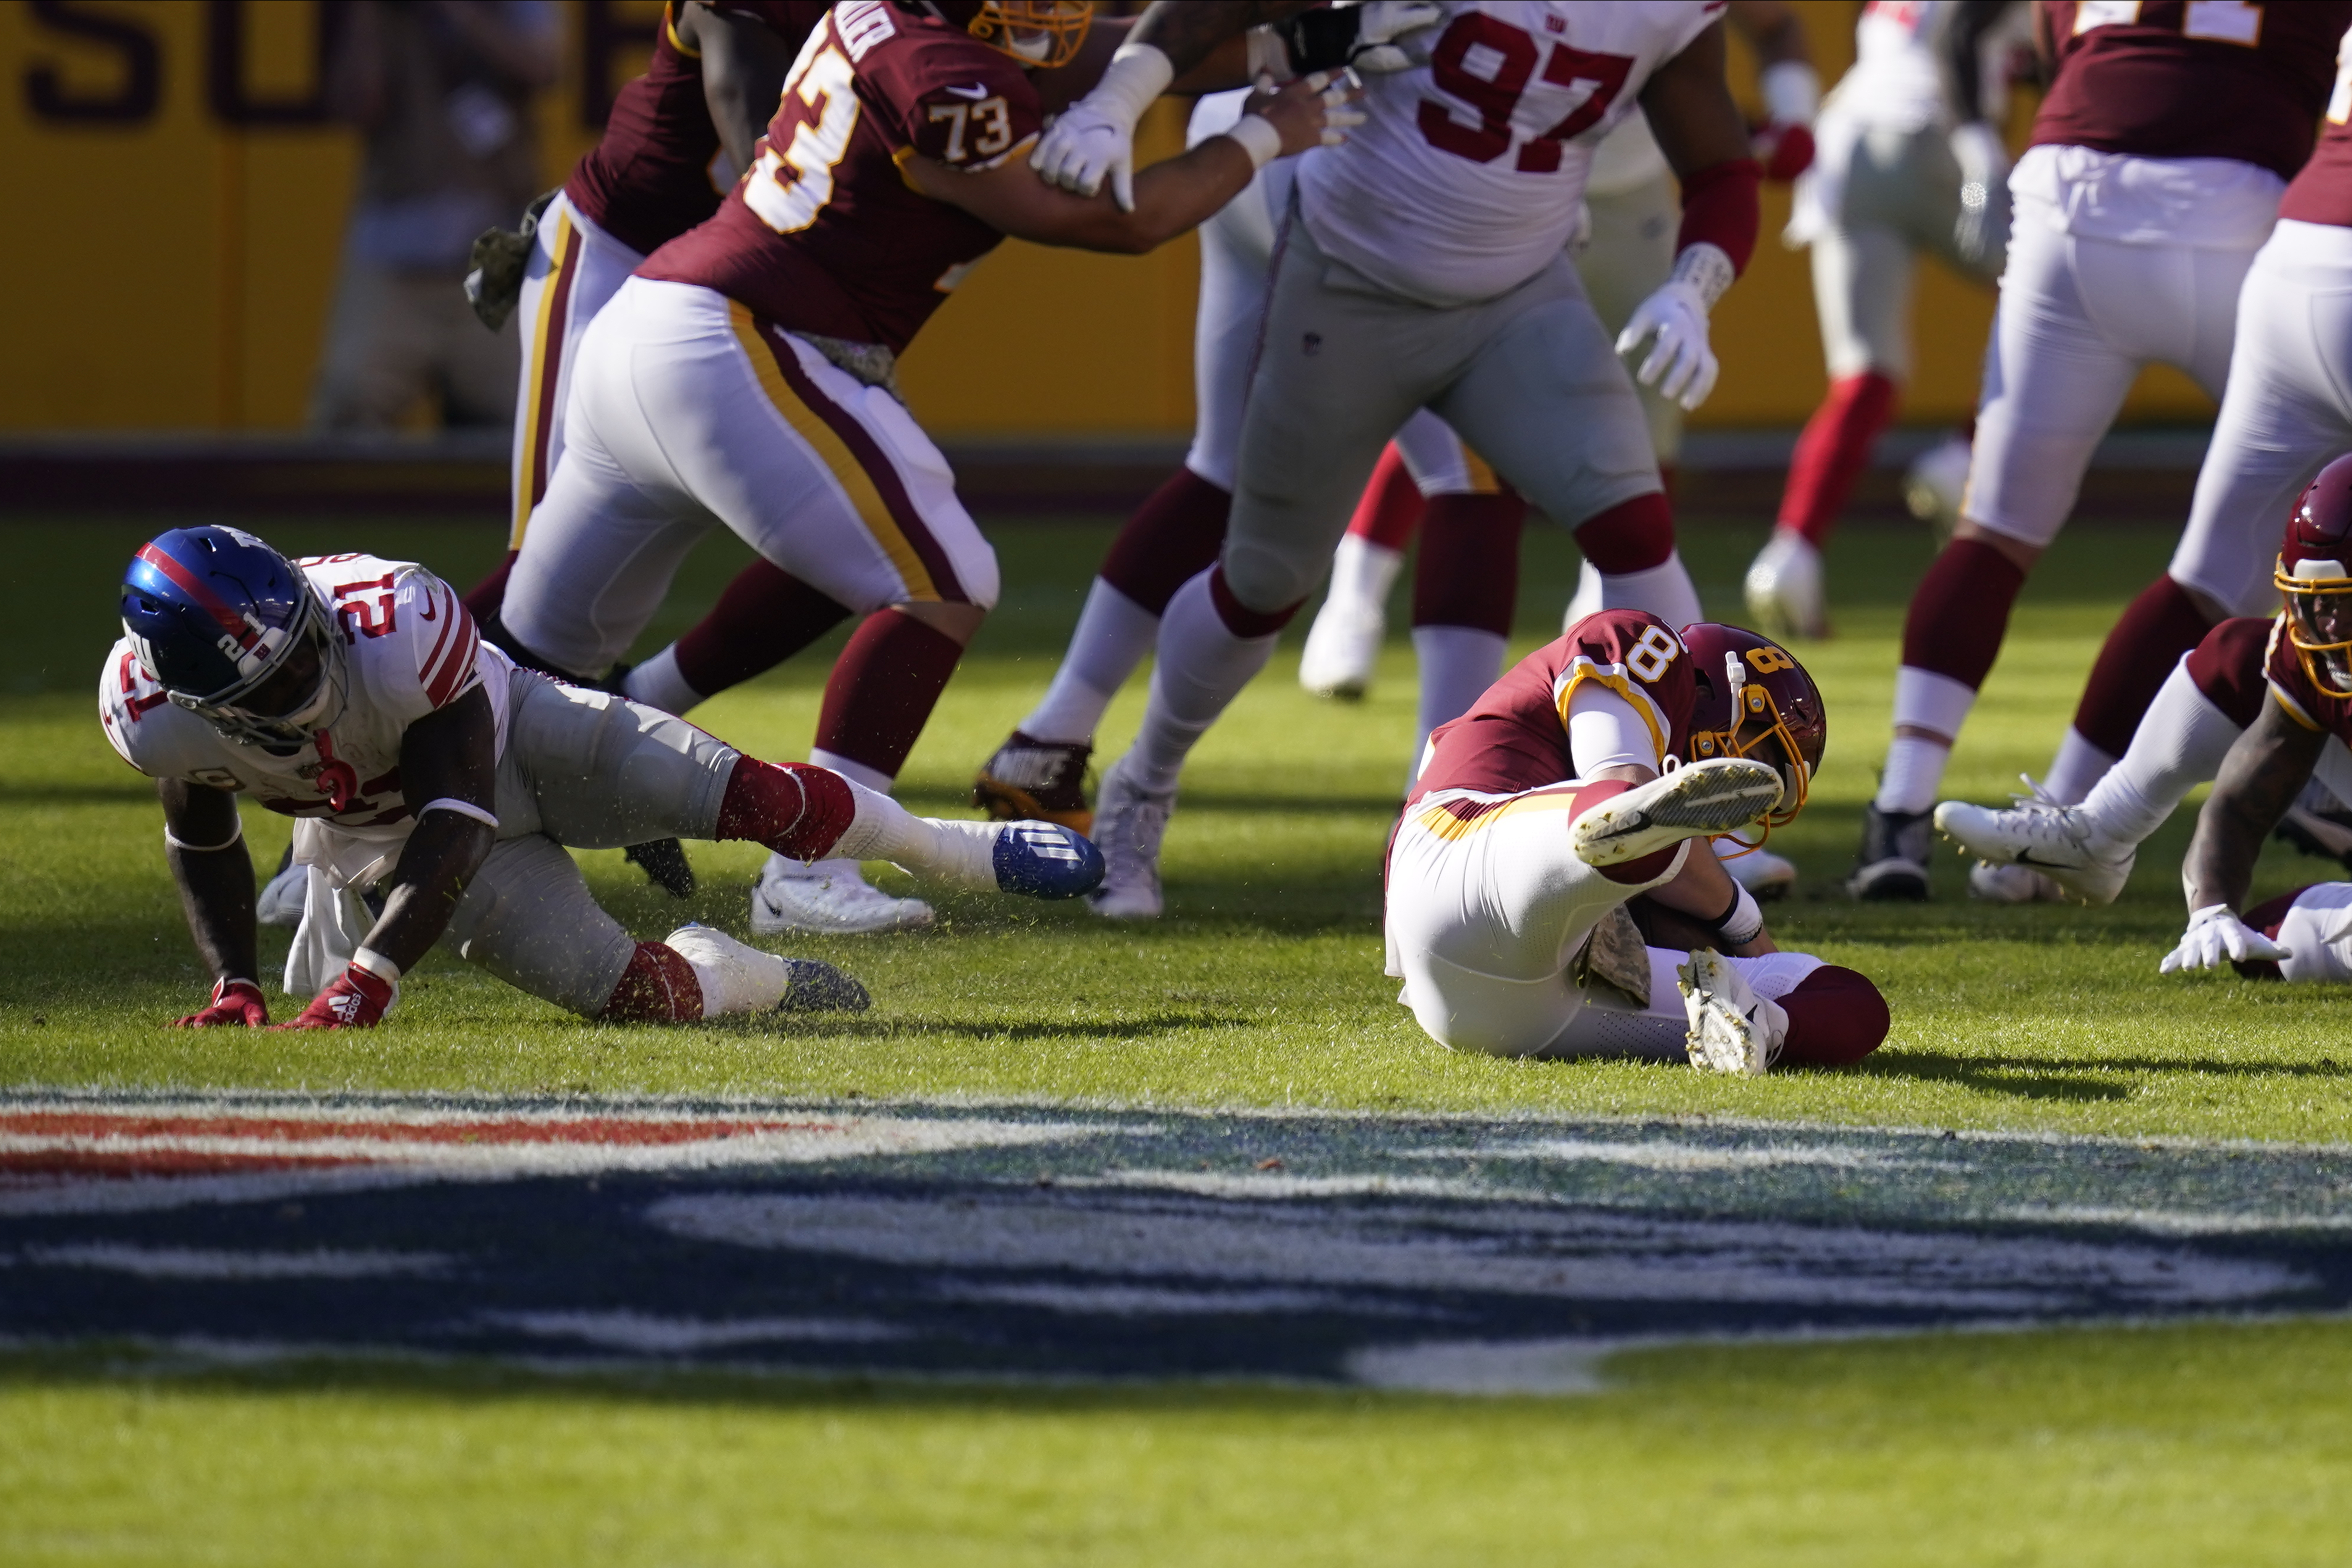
[1256, 591]
[658, 987]
[1836, 1017]
[798, 811]
[2311, 930]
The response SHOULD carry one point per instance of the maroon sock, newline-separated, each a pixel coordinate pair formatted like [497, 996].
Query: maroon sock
[883, 688]
[1832, 452]
[1392, 508]
[794, 809]
[483, 599]
[1171, 539]
[1961, 612]
[658, 987]
[765, 617]
[1468, 571]
[2156, 629]
[1836, 1017]
[1632, 536]
[2227, 666]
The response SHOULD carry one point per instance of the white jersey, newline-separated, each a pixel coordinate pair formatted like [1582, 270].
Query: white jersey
[410, 648]
[1464, 179]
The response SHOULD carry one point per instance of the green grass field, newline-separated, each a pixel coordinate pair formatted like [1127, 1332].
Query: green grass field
[2188, 1444]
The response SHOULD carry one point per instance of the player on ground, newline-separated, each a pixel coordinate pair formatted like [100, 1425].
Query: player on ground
[1908, 163]
[2158, 162]
[355, 694]
[1557, 801]
[1425, 266]
[746, 376]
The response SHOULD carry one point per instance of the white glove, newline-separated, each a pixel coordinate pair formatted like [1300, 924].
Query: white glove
[1681, 366]
[1096, 136]
[2217, 936]
[1984, 188]
[1382, 46]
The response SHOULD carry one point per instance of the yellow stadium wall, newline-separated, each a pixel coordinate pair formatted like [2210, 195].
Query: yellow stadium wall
[177, 205]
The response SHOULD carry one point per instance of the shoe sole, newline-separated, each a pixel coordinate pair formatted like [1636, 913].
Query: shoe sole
[664, 862]
[1011, 803]
[1702, 800]
[1889, 882]
[1719, 1038]
[2058, 875]
[767, 923]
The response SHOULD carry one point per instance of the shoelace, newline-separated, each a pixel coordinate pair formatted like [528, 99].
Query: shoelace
[2048, 818]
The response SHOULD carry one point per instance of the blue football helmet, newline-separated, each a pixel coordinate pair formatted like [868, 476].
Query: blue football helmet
[214, 614]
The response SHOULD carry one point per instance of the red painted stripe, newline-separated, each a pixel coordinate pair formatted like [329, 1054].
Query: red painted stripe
[624, 1131]
[192, 585]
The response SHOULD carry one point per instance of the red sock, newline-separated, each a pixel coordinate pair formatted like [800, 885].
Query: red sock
[1171, 539]
[794, 809]
[658, 987]
[1632, 536]
[883, 688]
[1392, 504]
[2227, 667]
[1830, 453]
[764, 617]
[2156, 629]
[1836, 1017]
[1648, 868]
[1469, 572]
[1961, 612]
[483, 599]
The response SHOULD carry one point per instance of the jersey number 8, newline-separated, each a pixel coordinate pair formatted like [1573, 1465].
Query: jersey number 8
[1650, 655]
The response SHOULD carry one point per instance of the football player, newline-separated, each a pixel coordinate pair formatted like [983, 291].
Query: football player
[1908, 161]
[1550, 829]
[2159, 158]
[355, 694]
[746, 376]
[2211, 697]
[1425, 266]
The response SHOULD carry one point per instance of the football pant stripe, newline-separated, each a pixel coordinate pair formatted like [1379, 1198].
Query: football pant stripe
[548, 332]
[1448, 822]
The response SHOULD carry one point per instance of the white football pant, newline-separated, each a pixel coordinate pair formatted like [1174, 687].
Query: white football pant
[575, 268]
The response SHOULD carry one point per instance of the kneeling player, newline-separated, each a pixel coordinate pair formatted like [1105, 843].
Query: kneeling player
[353, 693]
[1570, 791]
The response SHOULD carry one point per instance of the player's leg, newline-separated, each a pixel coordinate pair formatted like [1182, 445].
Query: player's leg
[2052, 383]
[2314, 925]
[1465, 590]
[1630, 254]
[1835, 1016]
[1343, 643]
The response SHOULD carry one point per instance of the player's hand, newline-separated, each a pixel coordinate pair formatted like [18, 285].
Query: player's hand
[1316, 110]
[1094, 139]
[235, 1005]
[357, 1000]
[2217, 936]
[1381, 45]
[1984, 190]
[1681, 366]
[1785, 150]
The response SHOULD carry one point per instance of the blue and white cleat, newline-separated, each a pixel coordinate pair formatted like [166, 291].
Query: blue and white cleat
[1046, 860]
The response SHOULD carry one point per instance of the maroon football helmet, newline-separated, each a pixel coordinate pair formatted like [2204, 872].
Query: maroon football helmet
[2314, 575]
[1756, 700]
[1041, 33]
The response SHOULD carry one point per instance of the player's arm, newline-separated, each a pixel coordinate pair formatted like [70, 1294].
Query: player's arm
[1791, 88]
[2265, 768]
[1171, 197]
[448, 771]
[204, 841]
[1704, 139]
[1976, 144]
[744, 63]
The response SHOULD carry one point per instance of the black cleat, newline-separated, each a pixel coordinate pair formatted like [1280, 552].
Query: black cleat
[1892, 863]
[663, 860]
[814, 986]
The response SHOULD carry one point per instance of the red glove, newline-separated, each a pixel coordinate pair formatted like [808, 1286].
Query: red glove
[1785, 151]
[357, 1000]
[236, 1003]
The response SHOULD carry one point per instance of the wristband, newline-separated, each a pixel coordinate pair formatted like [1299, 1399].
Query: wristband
[1137, 74]
[1743, 922]
[1258, 138]
[462, 807]
[171, 841]
[377, 964]
[1706, 269]
[1792, 92]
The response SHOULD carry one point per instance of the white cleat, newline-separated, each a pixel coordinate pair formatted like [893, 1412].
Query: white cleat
[739, 978]
[280, 901]
[1585, 602]
[2012, 884]
[1129, 827]
[1765, 875]
[1343, 646]
[1785, 597]
[2062, 843]
[1933, 484]
[828, 898]
[1731, 1029]
[1719, 795]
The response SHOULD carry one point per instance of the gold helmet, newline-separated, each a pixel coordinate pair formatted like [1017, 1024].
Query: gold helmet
[1041, 33]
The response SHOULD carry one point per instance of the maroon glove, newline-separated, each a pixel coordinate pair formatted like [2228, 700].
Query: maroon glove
[1785, 151]
[236, 1003]
[357, 1000]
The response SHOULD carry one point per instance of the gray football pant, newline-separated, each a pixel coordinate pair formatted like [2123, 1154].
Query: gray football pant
[1632, 252]
[1530, 380]
[1901, 196]
[595, 771]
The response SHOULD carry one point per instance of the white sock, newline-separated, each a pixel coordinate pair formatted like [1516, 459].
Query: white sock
[1915, 771]
[961, 853]
[844, 862]
[2077, 766]
[2177, 746]
[657, 684]
[1113, 634]
[1586, 600]
[1457, 665]
[1201, 667]
[1362, 573]
[1664, 590]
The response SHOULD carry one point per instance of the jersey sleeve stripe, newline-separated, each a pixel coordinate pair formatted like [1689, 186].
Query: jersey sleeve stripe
[1640, 700]
[433, 602]
[2293, 709]
[445, 681]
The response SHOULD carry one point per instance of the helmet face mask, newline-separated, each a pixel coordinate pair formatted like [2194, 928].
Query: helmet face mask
[1038, 33]
[1755, 701]
[270, 712]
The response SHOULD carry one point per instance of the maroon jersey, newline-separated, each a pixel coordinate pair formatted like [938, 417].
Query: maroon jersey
[2292, 685]
[824, 234]
[649, 181]
[2191, 79]
[1514, 738]
[2323, 191]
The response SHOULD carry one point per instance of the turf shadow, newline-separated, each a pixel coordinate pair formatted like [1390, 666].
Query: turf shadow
[2021, 1078]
